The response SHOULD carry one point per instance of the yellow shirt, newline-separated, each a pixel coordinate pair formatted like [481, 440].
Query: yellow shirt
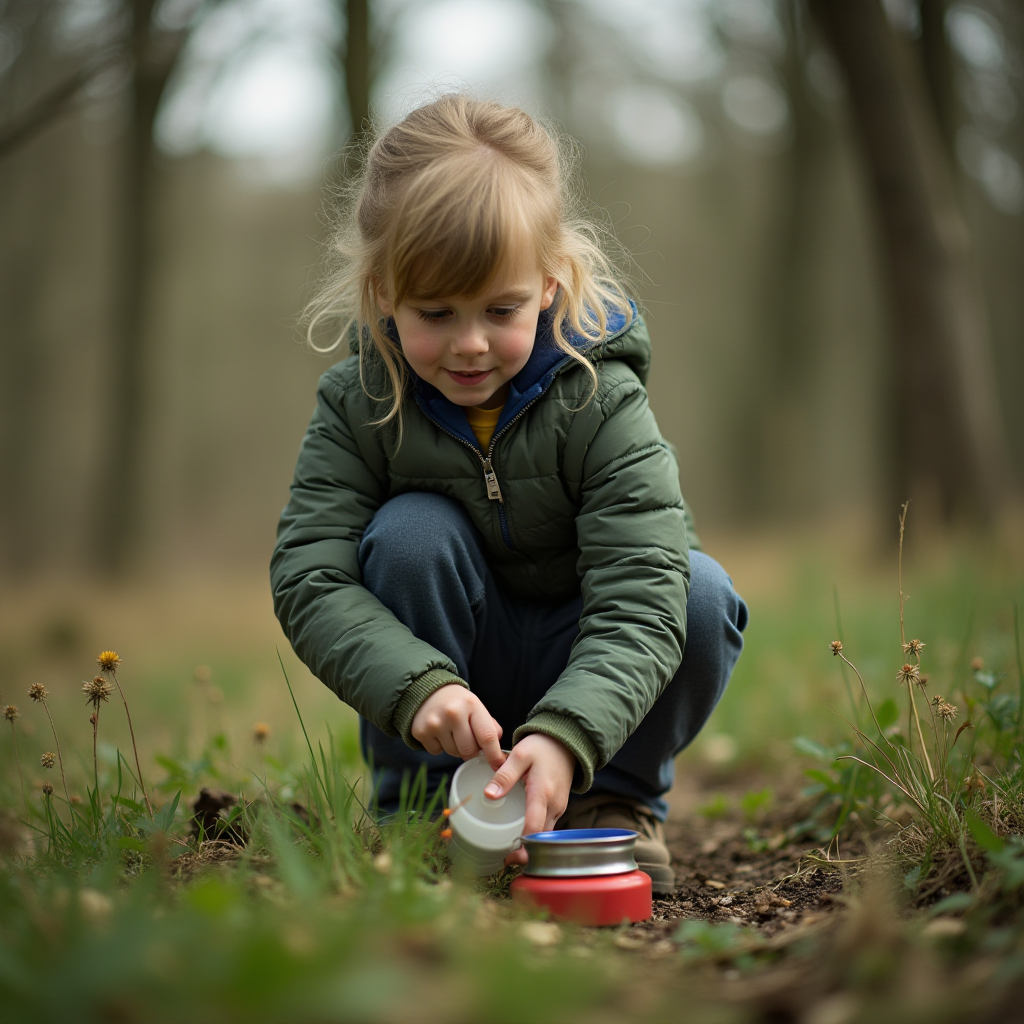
[483, 422]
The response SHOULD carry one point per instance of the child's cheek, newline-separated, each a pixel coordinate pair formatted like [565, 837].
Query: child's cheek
[519, 347]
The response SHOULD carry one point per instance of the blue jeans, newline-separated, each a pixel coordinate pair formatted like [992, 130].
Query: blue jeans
[424, 560]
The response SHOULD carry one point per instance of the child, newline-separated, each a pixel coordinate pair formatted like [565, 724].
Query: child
[486, 544]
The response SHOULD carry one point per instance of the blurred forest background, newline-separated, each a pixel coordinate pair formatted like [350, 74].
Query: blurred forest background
[824, 202]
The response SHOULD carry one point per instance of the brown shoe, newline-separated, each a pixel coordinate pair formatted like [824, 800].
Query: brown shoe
[606, 810]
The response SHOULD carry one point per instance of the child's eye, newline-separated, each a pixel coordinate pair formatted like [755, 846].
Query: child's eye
[505, 312]
[432, 316]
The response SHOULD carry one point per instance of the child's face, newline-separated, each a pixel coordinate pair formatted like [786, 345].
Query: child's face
[470, 346]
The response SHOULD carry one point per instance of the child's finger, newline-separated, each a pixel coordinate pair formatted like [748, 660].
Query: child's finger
[465, 741]
[506, 776]
[487, 733]
[536, 811]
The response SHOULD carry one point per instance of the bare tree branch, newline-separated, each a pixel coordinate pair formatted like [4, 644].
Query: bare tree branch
[52, 104]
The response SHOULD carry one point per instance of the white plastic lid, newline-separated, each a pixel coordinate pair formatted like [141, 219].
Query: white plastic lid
[485, 830]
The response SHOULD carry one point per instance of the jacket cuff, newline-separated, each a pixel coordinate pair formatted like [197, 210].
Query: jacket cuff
[414, 695]
[570, 734]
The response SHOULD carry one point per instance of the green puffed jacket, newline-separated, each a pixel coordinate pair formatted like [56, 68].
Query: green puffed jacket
[573, 492]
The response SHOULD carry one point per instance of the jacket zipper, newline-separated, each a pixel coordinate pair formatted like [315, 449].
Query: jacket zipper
[490, 476]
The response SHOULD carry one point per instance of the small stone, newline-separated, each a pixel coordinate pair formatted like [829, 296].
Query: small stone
[629, 941]
[541, 933]
[714, 883]
[944, 928]
[726, 900]
[96, 907]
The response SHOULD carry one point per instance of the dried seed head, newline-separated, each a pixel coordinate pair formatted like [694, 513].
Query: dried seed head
[108, 661]
[913, 647]
[48, 760]
[260, 731]
[11, 713]
[38, 692]
[977, 664]
[909, 674]
[836, 647]
[47, 789]
[96, 690]
[947, 711]
[936, 701]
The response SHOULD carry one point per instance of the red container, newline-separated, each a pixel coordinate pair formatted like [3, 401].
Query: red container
[605, 899]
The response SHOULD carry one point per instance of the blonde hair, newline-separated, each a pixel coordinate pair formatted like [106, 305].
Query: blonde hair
[445, 198]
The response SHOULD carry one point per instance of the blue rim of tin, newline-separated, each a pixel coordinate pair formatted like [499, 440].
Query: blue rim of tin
[577, 835]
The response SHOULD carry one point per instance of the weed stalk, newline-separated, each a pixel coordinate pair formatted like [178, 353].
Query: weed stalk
[39, 693]
[12, 714]
[108, 662]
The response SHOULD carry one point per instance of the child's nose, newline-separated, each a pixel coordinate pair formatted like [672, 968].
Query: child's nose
[470, 341]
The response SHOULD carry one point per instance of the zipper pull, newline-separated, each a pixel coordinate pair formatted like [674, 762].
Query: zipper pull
[491, 480]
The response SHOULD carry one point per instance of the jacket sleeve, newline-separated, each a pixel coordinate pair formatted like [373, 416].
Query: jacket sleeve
[634, 564]
[349, 640]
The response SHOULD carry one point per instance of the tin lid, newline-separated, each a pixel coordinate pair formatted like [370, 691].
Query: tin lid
[580, 852]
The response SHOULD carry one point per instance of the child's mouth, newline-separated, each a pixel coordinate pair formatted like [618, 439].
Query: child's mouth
[468, 377]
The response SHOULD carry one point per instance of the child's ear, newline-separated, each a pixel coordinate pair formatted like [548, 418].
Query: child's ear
[548, 294]
[382, 300]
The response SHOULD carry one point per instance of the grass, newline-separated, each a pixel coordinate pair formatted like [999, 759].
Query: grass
[290, 904]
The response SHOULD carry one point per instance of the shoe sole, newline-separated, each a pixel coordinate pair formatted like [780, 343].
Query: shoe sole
[663, 879]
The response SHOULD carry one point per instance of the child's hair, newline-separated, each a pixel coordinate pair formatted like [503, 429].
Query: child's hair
[445, 197]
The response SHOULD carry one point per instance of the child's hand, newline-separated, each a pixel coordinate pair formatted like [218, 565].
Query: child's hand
[546, 768]
[453, 719]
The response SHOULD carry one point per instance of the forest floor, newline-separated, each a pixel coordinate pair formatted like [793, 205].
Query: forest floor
[809, 889]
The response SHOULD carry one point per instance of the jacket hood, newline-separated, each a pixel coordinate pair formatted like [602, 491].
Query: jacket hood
[626, 339]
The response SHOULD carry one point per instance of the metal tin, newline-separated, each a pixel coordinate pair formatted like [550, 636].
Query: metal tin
[592, 901]
[580, 852]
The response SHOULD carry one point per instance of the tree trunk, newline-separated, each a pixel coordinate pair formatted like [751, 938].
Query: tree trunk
[357, 59]
[947, 434]
[128, 395]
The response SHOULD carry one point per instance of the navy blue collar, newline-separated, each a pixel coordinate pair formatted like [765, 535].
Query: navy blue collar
[523, 389]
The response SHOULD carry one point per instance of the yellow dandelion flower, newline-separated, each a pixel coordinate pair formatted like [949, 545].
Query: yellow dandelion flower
[108, 660]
